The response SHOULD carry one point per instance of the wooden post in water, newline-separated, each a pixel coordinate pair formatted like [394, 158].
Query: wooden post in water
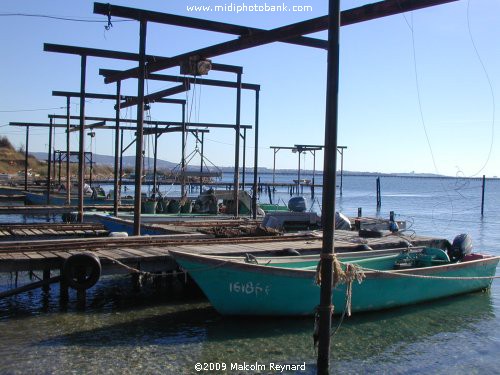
[63, 289]
[46, 276]
[482, 196]
[379, 198]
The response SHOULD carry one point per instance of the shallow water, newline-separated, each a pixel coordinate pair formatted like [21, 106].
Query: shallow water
[162, 331]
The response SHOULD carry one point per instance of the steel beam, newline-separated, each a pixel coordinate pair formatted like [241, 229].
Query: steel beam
[147, 99]
[100, 124]
[196, 23]
[68, 137]
[71, 94]
[26, 153]
[117, 148]
[197, 80]
[119, 55]
[49, 162]
[256, 156]
[140, 126]
[166, 123]
[349, 17]
[237, 147]
[325, 308]
[81, 149]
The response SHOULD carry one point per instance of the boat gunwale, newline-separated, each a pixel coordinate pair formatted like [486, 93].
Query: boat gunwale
[278, 271]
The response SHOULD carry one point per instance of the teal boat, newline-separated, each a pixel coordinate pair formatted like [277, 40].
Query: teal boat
[242, 288]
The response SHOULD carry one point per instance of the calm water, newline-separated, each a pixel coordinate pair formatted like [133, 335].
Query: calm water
[161, 331]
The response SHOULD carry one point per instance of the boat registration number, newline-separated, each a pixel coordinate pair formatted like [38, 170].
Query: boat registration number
[248, 288]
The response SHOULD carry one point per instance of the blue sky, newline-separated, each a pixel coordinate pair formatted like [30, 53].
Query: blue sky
[416, 94]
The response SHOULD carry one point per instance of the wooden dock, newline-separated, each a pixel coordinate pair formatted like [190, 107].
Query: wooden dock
[51, 210]
[151, 253]
[41, 231]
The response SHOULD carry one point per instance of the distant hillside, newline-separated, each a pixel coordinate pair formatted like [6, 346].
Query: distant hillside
[12, 160]
[129, 162]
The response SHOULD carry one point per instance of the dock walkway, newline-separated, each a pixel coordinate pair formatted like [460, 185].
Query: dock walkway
[151, 253]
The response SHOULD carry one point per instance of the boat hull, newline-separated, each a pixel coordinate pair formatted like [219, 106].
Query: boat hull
[247, 289]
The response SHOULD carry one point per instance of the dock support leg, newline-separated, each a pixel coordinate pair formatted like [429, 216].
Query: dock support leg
[63, 290]
[81, 294]
[46, 276]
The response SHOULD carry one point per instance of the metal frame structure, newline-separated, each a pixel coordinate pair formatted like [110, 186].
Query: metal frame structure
[331, 22]
[249, 38]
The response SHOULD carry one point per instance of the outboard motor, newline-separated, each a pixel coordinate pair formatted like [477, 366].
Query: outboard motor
[342, 221]
[461, 246]
[297, 204]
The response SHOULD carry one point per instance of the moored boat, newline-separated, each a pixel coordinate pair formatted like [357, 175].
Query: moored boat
[241, 288]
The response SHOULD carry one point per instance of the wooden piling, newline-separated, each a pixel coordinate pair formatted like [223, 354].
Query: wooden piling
[46, 276]
[482, 196]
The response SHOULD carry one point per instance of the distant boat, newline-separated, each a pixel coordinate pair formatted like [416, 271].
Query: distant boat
[238, 288]
[302, 181]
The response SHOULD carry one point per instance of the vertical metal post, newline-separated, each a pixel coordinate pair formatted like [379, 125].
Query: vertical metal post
[482, 195]
[274, 167]
[256, 156]
[59, 167]
[325, 308]
[81, 146]
[183, 151]
[26, 158]
[237, 147]
[314, 174]
[341, 170]
[53, 154]
[121, 163]
[116, 195]
[244, 158]
[155, 177]
[298, 173]
[68, 172]
[140, 128]
[49, 162]
[91, 167]
[201, 163]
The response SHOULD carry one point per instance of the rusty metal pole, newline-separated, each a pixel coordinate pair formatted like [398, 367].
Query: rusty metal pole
[116, 195]
[26, 158]
[121, 163]
[325, 308]
[201, 162]
[81, 146]
[68, 172]
[244, 158]
[183, 151]
[59, 168]
[49, 162]
[155, 176]
[298, 173]
[140, 128]
[256, 156]
[237, 147]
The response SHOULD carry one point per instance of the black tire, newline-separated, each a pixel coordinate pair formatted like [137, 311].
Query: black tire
[82, 271]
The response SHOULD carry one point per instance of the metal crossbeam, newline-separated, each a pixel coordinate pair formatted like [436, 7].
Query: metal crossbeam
[196, 23]
[72, 94]
[348, 17]
[197, 80]
[172, 123]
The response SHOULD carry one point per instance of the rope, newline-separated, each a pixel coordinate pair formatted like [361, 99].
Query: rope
[131, 269]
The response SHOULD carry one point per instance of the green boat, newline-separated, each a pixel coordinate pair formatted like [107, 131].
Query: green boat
[242, 288]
